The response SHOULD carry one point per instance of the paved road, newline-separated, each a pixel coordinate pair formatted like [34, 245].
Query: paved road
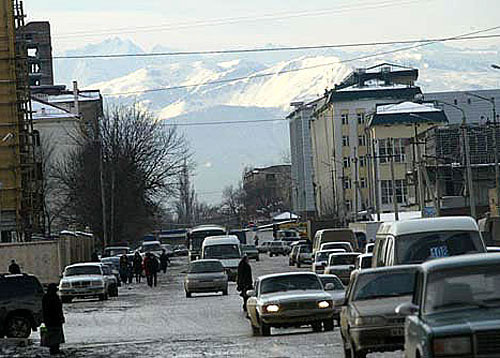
[162, 322]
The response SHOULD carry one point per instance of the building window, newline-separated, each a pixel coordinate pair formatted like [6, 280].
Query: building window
[347, 183]
[345, 141]
[401, 191]
[344, 117]
[362, 140]
[362, 161]
[347, 162]
[270, 177]
[362, 182]
[348, 205]
[361, 117]
[455, 102]
[385, 150]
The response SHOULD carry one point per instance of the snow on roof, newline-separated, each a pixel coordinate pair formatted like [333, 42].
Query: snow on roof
[46, 111]
[407, 107]
[373, 88]
[82, 97]
[285, 216]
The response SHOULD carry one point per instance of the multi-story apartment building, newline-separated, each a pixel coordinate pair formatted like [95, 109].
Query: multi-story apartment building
[303, 201]
[392, 130]
[339, 138]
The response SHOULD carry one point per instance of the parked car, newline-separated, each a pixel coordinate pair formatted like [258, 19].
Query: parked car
[337, 290]
[112, 280]
[342, 264]
[115, 250]
[206, 275]
[418, 240]
[278, 248]
[263, 247]
[154, 247]
[369, 248]
[346, 246]
[363, 261]
[321, 260]
[113, 263]
[251, 251]
[289, 300]
[180, 250]
[20, 305]
[304, 255]
[368, 319]
[84, 280]
[455, 310]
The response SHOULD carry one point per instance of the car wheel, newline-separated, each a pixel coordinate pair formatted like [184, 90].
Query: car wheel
[257, 259]
[188, 294]
[18, 327]
[224, 292]
[328, 325]
[255, 331]
[265, 329]
[316, 326]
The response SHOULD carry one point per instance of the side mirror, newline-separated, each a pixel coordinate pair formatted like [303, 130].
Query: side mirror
[406, 309]
[329, 287]
[250, 293]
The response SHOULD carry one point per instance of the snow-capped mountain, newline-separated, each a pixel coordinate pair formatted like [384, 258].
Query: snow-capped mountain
[267, 83]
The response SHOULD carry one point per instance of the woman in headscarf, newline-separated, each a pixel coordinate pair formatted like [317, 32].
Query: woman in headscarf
[53, 317]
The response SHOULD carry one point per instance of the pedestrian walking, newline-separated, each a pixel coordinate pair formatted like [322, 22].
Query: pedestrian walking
[53, 317]
[245, 280]
[164, 261]
[14, 268]
[137, 263]
[124, 268]
[151, 268]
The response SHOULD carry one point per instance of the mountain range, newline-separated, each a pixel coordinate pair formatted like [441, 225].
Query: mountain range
[221, 151]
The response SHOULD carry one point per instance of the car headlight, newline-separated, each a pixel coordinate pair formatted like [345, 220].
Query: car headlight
[369, 321]
[97, 283]
[65, 285]
[272, 308]
[324, 304]
[452, 346]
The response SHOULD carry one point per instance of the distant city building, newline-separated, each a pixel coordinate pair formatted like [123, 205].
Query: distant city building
[267, 190]
[339, 138]
[303, 201]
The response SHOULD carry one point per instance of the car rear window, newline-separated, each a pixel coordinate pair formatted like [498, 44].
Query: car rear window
[342, 260]
[82, 270]
[19, 286]
[380, 285]
[420, 247]
[201, 267]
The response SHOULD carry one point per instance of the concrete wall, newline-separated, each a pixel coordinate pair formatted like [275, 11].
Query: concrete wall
[46, 259]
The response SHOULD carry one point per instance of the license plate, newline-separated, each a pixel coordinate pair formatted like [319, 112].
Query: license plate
[400, 331]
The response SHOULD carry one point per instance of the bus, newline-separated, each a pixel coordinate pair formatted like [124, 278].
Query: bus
[196, 236]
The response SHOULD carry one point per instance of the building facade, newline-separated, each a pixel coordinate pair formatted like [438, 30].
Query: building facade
[340, 145]
[303, 201]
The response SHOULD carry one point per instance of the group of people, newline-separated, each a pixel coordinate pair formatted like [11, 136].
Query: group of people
[137, 265]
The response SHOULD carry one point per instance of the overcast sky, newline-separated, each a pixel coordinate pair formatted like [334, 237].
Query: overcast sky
[209, 24]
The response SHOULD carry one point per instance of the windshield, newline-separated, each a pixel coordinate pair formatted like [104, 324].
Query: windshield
[323, 255]
[249, 247]
[342, 260]
[82, 270]
[289, 283]
[116, 251]
[420, 247]
[366, 262]
[334, 280]
[200, 267]
[383, 284]
[461, 288]
[305, 249]
[226, 251]
[337, 245]
[196, 238]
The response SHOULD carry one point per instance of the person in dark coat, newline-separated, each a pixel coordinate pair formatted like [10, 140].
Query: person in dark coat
[137, 263]
[124, 268]
[14, 268]
[164, 261]
[245, 280]
[151, 268]
[53, 317]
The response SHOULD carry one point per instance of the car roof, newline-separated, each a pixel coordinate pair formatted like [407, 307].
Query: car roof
[334, 230]
[459, 261]
[330, 275]
[362, 256]
[345, 254]
[333, 251]
[221, 240]
[282, 274]
[207, 227]
[99, 264]
[116, 247]
[388, 269]
[152, 242]
[336, 243]
[446, 223]
[202, 261]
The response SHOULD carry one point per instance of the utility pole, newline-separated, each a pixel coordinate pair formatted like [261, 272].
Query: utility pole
[356, 183]
[393, 182]
[421, 188]
[375, 184]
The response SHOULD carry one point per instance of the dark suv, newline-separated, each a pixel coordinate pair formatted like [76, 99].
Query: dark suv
[20, 305]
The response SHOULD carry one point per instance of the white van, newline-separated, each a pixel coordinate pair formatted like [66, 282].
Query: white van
[417, 240]
[334, 235]
[226, 249]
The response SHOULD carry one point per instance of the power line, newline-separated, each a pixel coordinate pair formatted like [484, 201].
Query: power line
[220, 122]
[261, 75]
[275, 49]
[231, 20]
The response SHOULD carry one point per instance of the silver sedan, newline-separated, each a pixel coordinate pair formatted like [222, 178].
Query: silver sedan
[205, 276]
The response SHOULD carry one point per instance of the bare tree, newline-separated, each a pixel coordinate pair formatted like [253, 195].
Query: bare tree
[233, 204]
[141, 163]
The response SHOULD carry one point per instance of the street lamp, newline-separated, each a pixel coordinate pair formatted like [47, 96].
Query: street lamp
[495, 147]
[472, 201]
